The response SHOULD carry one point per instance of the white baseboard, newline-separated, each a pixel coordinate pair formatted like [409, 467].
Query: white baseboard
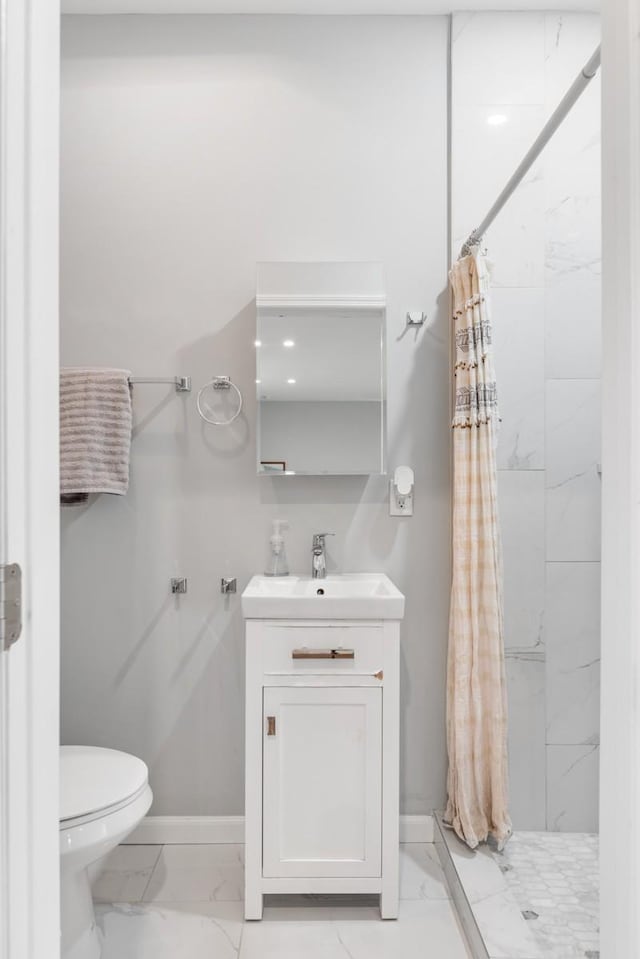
[416, 829]
[166, 830]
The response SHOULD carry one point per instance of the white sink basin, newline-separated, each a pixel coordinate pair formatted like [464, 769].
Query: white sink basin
[344, 596]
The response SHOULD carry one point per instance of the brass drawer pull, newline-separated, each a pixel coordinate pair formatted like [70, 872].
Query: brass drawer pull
[323, 653]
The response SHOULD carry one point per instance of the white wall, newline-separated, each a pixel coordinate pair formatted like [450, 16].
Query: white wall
[192, 148]
[546, 250]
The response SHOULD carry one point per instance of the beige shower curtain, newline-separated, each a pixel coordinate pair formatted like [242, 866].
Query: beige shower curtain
[477, 803]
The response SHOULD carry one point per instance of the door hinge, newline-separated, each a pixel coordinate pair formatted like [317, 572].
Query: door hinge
[10, 605]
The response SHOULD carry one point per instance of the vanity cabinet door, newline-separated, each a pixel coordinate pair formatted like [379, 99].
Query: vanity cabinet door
[322, 782]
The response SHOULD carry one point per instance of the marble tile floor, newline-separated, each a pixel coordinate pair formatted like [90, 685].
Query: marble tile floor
[538, 899]
[486, 905]
[554, 879]
[159, 902]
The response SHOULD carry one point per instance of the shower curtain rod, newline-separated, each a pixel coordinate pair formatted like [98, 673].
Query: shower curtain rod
[578, 86]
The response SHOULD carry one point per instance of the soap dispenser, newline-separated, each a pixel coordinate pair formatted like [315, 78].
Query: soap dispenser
[277, 565]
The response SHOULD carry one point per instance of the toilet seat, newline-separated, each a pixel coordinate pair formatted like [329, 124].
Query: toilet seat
[96, 782]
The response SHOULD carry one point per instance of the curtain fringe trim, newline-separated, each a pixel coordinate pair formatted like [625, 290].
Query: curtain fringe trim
[475, 300]
[469, 423]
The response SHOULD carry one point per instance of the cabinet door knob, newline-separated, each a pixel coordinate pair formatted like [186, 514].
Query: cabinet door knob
[271, 725]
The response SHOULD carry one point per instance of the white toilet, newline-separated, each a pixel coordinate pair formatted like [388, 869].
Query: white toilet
[103, 795]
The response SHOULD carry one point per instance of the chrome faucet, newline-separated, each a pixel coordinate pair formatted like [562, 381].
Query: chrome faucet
[319, 560]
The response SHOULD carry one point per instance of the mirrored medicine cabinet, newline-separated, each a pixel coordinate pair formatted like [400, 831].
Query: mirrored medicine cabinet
[320, 369]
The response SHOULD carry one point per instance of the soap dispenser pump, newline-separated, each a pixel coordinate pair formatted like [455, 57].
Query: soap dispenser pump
[277, 565]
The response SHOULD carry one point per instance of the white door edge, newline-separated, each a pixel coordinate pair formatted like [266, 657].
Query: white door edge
[29, 511]
[620, 688]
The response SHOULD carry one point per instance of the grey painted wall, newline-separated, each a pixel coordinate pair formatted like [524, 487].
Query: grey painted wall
[193, 147]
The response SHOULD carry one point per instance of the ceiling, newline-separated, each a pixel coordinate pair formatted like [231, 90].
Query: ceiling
[345, 7]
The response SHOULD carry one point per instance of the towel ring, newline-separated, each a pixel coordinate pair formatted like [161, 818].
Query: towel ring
[219, 383]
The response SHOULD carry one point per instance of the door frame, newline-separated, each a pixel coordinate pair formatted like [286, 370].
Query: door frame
[29, 490]
[620, 690]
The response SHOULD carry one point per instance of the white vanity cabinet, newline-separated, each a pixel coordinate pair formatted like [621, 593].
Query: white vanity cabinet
[322, 782]
[322, 754]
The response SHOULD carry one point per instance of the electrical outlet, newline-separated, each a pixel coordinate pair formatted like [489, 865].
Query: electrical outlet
[399, 505]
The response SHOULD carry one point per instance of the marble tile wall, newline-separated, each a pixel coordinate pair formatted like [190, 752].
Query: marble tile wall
[509, 71]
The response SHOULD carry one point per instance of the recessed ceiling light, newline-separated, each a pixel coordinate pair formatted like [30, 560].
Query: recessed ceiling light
[288, 343]
[257, 342]
[497, 119]
[258, 381]
[290, 381]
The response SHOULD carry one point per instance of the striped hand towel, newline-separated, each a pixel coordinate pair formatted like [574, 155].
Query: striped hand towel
[95, 433]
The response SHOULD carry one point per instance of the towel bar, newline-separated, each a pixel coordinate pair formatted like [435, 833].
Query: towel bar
[181, 383]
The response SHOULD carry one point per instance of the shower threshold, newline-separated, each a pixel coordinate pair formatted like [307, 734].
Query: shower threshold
[538, 899]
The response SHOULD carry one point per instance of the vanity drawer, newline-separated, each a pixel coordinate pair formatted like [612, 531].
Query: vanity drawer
[350, 648]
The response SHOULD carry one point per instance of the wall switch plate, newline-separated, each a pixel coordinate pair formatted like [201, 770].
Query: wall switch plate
[399, 505]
